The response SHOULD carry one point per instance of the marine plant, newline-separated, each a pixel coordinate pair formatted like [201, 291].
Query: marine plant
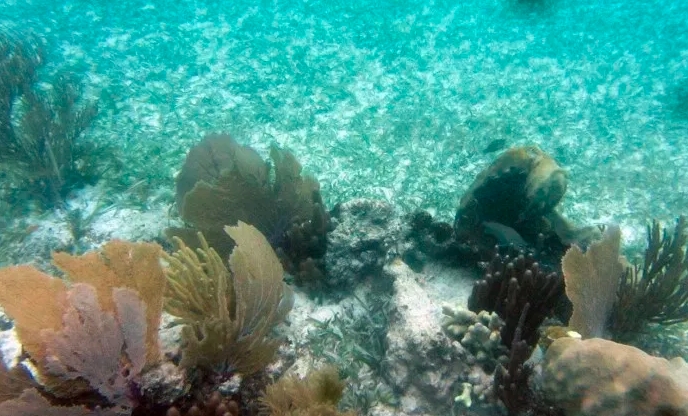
[356, 344]
[42, 154]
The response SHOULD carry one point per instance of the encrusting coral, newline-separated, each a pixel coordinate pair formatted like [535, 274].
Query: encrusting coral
[597, 377]
[228, 313]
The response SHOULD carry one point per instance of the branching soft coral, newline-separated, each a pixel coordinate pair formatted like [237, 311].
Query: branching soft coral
[316, 395]
[511, 283]
[40, 130]
[228, 314]
[655, 291]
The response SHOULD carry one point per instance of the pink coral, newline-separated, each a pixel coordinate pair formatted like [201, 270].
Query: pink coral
[106, 350]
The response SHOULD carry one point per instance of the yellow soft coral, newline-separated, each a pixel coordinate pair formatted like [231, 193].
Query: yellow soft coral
[228, 313]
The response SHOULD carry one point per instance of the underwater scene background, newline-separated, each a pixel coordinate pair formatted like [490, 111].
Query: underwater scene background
[394, 110]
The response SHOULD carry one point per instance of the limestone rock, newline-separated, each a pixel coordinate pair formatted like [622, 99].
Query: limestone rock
[427, 367]
[358, 247]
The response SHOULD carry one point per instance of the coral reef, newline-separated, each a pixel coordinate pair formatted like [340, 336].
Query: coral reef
[600, 377]
[426, 239]
[13, 381]
[427, 368]
[90, 342]
[360, 354]
[315, 395]
[513, 201]
[478, 333]
[94, 344]
[512, 380]
[592, 280]
[122, 264]
[619, 300]
[31, 402]
[215, 405]
[521, 186]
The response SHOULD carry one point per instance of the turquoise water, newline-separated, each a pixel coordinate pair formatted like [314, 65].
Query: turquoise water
[395, 101]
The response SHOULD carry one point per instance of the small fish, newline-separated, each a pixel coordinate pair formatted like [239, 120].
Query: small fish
[31, 228]
[504, 235]
[496, 144]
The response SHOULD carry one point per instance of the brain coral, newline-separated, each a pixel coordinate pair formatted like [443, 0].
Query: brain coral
[603, 378]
